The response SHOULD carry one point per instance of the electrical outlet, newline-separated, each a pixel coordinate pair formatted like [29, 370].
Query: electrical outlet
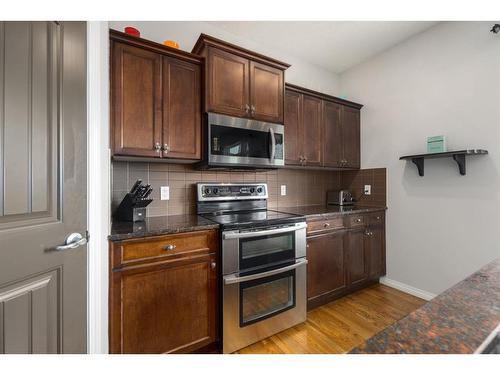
[368, 189]
[283, 189]
[164, 193]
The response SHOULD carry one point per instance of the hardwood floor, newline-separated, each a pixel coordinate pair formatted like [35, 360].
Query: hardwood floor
[341, 325]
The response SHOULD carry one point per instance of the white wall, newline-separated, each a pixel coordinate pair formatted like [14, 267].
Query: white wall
[186, 33]
[446, 80]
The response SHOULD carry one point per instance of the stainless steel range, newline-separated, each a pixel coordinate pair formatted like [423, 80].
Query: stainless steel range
[263, 262]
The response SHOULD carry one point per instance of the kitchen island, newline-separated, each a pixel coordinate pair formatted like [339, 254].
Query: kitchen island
[455, 322]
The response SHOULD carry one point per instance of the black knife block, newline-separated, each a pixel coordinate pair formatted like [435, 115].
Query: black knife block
[132, 210]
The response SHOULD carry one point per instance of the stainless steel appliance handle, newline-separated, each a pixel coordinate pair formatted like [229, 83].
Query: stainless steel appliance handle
[235, 279]
[273, 144]
[258, 233]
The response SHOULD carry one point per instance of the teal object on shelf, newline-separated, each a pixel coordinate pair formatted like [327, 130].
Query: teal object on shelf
[436, 144]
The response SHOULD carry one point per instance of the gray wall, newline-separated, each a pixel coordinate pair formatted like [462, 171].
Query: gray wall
[446, 80]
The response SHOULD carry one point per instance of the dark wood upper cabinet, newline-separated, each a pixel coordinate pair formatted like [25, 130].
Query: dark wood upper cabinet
[311, 130]
[333, 146]
[241, 83]
[328, 132]
[155, 100]
[351, 136]
[227, 83]
[326, 265]
[293, 123]
[182, 109]
[136, 100]
[266, 92]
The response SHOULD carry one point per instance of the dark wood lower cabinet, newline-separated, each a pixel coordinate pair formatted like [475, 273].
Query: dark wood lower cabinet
[325, 270]
[357, 264]
[344, 259]
[164, 302]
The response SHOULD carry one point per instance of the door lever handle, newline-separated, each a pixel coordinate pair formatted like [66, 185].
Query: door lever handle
[72, 242]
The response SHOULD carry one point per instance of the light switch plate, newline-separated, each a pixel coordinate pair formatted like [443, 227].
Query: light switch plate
[164, 193]
[368, 189]
[283, 189]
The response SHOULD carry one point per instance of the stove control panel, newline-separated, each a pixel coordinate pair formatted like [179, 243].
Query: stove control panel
[215, 191]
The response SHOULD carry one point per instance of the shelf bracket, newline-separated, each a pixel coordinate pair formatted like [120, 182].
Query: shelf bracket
[460, 159]
[419, 162]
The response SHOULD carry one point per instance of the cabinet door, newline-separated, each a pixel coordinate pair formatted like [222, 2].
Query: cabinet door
[332, 139]
[357, 268]
[311, 130]
[293, 120]
[326, 264]
[136, 101]
[375, 245]
[228, 83]
[266, 92]
[164, 308]
[351, 136]
[181, 109]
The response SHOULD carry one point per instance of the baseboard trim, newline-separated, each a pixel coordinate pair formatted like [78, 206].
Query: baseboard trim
[407, 289]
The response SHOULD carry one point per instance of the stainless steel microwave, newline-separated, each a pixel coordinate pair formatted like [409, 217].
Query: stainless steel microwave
[234, 142]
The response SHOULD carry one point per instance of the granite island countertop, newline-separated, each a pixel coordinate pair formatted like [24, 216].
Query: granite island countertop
[455, 322]
[159, 225]
[326, 211]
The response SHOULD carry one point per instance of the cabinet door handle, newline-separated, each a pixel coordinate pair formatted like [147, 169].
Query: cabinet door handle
[213, 265]
[247, 108]
[326, 225]
[252, 109]
[358, 220]
[157, 147]
[166, 148]
[170, 247]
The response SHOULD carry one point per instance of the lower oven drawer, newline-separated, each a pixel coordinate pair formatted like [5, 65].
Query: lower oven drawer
[259, 305]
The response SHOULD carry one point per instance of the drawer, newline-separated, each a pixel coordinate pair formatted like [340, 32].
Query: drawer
[355, 220]
[376, 218]
[165, 247]
[322, 225]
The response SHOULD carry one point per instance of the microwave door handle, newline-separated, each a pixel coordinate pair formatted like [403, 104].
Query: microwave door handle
[235, 235]
[235, 279]
[273, 144]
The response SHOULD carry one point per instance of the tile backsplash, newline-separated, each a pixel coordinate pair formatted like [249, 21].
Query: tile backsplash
[303, 187]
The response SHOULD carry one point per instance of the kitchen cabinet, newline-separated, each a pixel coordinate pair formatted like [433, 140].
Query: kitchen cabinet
[357, 264]
[345, 253]
[241, 83]
[155, 100]
[321, 130]
[164, 293]
[326, 256]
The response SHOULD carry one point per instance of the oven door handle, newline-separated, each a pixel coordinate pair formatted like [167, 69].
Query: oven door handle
[235, 279]
[273, 144]
[233, 235]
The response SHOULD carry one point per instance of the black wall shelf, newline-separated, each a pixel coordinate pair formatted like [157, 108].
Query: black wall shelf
[458, 156]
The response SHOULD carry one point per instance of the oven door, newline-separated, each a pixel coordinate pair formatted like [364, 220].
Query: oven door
[234, 141]
[258, 305]
[261, 248]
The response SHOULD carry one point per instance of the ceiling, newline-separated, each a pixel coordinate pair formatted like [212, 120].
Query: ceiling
[333, 45]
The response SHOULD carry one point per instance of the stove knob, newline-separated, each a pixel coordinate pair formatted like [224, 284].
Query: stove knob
[207, 191]
[215, 191]
[259, 189]
[252, 190]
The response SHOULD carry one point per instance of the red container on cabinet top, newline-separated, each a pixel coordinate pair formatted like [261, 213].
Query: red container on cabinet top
[132, 31]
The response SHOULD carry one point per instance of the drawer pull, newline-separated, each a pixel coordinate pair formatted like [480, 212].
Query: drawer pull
[326, 225]
[169, 247]
[358, 220]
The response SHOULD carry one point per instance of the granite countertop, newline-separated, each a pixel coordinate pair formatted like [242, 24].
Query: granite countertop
[456, 321]
[322, 211]
[155, 226]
